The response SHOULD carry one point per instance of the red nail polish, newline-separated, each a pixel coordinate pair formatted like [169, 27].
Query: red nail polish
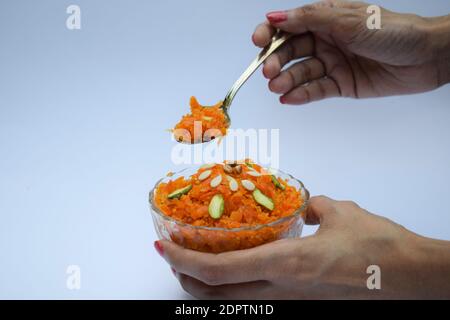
[276, 16]
[159, 248]
[282, 100]
[173, 271]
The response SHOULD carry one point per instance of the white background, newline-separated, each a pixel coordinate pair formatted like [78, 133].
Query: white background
[82, 136]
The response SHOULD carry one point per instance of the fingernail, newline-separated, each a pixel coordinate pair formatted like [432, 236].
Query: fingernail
[282, 100]
[159, 248]
[277, 16]
[173, 271]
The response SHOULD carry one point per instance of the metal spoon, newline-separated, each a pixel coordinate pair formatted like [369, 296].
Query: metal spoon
[277, 40]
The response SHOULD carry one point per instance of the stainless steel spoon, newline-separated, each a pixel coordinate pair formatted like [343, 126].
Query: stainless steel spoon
[277, 40]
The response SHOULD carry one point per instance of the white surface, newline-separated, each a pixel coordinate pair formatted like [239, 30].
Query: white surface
[82, 140]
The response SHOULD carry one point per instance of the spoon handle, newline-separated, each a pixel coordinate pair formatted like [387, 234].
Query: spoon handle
[277, 40]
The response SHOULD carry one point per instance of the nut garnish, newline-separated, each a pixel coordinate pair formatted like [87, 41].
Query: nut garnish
[247, 184]
[227, 168]
[263, 200]
[232, 163]
[216, 181]
[253, 173]
[238, 169]
[216, 206]
[277, 183]
[179, 192]
[204, 175]
[233, 183]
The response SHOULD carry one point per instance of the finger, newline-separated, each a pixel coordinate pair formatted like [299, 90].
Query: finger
[223, 268]
[246, 290]
[318, 209]
[312, 91]
[263, 34]
[295, 48]
[317, 17]
[297, 74]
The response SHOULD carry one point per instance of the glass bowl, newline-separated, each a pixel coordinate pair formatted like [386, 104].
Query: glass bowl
[215, 240]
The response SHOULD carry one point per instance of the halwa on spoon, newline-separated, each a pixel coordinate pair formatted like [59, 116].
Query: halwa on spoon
[213, 121]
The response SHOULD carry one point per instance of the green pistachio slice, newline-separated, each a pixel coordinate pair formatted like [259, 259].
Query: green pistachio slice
[179, 192]
[277, 183]
[216, 206]
[263, 200]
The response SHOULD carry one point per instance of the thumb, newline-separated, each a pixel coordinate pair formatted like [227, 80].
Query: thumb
[317, 17]
[319, 209]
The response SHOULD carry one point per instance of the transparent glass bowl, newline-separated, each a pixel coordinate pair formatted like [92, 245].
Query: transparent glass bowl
[215, 240]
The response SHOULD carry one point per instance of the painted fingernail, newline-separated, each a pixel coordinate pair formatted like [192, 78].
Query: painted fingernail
[159, 248]
[282, 100]
[173, 271]
[277, 16]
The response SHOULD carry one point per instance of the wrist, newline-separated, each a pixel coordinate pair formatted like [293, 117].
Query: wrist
[431, 268]
[438, 30]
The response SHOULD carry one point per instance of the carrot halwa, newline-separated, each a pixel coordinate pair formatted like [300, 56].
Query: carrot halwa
[228, 196]
[202, 124]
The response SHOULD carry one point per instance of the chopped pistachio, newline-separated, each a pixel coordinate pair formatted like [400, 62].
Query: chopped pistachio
[216, 206]
[263, 200]
[277, 183]
[179, 192]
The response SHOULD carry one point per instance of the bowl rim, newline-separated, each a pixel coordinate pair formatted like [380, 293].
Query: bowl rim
[296, 213]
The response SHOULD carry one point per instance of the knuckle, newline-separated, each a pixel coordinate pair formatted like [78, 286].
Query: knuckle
[307, 94]
[321, 90]
[318, 201]
[349, 204]
[313, 7]
[290, 78]
[306, 70]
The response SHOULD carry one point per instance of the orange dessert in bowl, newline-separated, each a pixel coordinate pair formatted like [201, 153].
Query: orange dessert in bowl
[228, 206]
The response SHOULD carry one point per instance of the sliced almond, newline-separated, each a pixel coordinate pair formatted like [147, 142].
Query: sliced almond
[233, 183]
[216, 181]
[206, 118]
[238, 169]
[204, 175]
[247, 184]
[253, 173]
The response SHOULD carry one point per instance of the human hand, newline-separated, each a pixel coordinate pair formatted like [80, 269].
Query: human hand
[409, 54]
[330, 264]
